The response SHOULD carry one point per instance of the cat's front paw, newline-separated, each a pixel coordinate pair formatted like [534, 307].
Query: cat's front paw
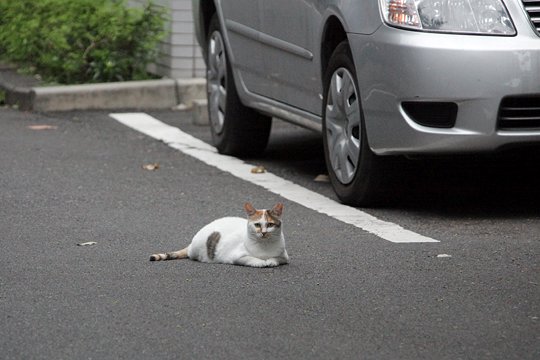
[271, 262]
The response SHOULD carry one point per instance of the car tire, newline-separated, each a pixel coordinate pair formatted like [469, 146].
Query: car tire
[236, 129]
[356, 173]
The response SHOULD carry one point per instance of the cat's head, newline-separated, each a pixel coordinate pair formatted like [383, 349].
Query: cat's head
[264, 224]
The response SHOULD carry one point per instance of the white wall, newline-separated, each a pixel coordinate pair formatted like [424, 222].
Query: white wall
[180, 56]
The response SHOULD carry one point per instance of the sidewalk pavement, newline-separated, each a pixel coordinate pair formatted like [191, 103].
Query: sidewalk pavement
[29, 93]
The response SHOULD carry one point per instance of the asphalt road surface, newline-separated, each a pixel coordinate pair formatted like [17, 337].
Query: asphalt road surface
[347, 294]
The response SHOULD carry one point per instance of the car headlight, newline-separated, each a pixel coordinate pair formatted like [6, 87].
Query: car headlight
[487, 17]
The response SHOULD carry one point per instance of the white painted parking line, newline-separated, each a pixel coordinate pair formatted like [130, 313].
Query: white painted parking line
[206, 153]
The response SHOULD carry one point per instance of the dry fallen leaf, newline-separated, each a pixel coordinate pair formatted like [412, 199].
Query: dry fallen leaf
[322, 178]
[258, 170]
[151, 167]
[89, 243]
[42, 127]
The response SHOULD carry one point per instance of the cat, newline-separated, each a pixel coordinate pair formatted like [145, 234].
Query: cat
[257, 241]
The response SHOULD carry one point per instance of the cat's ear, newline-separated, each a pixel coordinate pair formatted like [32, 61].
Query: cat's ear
[250, 210]
[277, 210]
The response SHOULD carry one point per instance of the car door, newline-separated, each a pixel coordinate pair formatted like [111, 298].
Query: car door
[289, 33]
[242, 22]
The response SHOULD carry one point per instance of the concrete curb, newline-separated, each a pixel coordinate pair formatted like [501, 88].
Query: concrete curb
[147, 94]
[200, 112]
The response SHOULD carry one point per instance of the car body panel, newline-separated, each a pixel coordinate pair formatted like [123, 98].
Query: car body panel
[243, 29]
[292, 75]
[434, 71]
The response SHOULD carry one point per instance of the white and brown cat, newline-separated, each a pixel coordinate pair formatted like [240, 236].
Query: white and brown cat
[256, 241]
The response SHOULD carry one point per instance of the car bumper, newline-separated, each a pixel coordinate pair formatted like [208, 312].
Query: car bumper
[474, 72]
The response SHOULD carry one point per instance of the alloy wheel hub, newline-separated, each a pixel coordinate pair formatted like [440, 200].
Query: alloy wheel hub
[343, 129]
[217, 80]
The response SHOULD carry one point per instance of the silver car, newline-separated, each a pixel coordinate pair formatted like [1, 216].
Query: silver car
[376, 77]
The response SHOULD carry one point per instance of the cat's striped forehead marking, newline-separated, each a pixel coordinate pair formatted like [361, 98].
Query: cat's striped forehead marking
[270, 218]
[257, 215]
[264, 215]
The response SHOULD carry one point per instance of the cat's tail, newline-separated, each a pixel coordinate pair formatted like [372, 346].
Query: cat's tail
[174, 255]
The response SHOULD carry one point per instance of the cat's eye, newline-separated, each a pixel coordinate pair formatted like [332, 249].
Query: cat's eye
[257, 225]
[270, 225]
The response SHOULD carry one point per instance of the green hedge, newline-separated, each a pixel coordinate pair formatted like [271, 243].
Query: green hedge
[81, 41]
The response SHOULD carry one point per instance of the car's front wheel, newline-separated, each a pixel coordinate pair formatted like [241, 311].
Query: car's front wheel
[356, 173]
[236, 129]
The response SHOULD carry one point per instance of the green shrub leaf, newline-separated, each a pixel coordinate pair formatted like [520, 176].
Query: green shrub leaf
[81, 41]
